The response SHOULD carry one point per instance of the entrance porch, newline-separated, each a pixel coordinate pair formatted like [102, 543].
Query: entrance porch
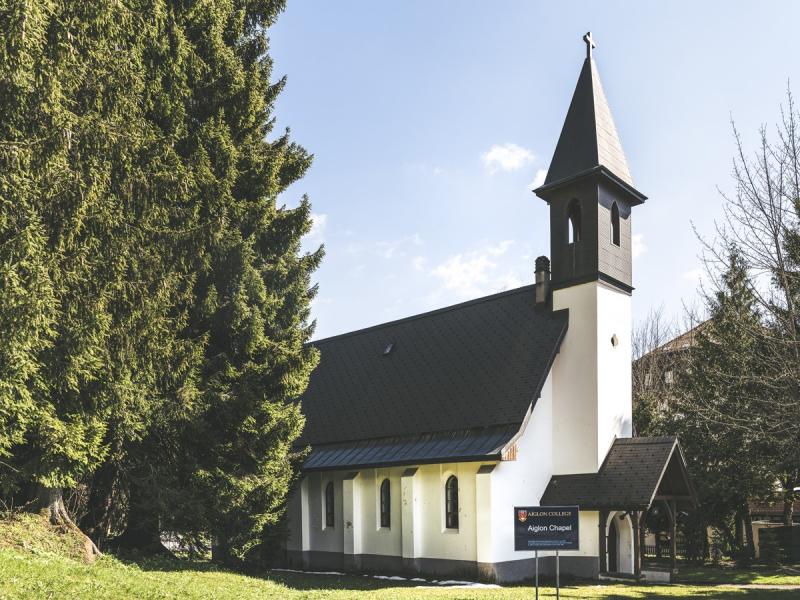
[637, 475]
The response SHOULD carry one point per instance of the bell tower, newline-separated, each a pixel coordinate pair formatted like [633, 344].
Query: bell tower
[590, 191]
[590, 194]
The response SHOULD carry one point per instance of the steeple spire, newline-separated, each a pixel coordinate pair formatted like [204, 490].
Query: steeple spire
[589, 139]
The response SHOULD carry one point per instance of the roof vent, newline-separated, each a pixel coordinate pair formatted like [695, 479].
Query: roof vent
[388, 349]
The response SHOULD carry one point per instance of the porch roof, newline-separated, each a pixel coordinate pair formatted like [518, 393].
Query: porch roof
[636, 472]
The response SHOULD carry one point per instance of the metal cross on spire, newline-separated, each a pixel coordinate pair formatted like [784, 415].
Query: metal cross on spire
[589, 44]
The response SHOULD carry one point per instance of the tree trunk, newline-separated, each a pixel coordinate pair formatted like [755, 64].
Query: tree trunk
[739, 529]
[221, 552]
[97, 521]
[50, 501]
[788, 508]
[142, 532]
[748, 524]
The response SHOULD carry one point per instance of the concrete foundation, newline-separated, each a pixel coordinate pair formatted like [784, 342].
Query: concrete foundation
[582, 567]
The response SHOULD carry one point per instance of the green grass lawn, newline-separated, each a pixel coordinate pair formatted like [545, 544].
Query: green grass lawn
[34, 565]
[762, 575]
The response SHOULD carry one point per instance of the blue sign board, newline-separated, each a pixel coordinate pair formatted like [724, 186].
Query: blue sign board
[546, 528]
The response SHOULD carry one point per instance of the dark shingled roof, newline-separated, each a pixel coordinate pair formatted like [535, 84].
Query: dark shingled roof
[634, 471]
[473, 368]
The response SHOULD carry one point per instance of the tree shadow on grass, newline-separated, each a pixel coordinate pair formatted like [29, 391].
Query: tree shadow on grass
[761, 574]
[570, 590]
[707, 593]
[297, 581]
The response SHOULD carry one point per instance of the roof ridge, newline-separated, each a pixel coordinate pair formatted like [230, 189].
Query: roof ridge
[650, 439]
[429, 313]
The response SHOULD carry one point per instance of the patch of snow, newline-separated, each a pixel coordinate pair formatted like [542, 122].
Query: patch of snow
[309, 572]
[467, 584]
[450, 583]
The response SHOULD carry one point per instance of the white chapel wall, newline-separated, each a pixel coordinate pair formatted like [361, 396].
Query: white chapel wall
[294, 520]
[614, 417]
[437, 540]
[575, 383]
[374, 538]
[521, 482]
[591, 377]
[321, 537]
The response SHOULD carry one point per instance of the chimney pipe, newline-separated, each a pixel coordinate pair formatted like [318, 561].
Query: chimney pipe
[542, 288]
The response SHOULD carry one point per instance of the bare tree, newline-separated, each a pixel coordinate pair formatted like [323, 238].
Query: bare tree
[762, 222]
[654, 367]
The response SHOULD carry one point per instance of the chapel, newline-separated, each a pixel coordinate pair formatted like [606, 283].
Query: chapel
[426, 432]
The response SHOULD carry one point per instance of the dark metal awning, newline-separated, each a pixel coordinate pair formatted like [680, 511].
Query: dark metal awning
[450, 446]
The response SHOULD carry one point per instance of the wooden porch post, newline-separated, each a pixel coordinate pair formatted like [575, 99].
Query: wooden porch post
[642, 521]
[603, 539]
[673, 542]
[637, 547]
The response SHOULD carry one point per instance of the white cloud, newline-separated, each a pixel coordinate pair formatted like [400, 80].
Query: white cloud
[500, 248]
[475, 273]
[638, 246]
[438, 170]
[538, 180]
[506, 157]
[419, 262]
[386, 249]
[318, 224]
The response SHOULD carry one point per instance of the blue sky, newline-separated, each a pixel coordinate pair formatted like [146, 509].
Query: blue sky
[429, 121]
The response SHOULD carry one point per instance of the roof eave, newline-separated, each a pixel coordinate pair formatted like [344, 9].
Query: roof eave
[408, 463]
[635, 197]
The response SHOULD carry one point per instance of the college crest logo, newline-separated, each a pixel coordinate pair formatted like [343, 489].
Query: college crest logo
[522, 515]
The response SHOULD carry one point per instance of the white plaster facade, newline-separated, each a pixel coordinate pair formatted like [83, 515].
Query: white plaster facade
[594, 408]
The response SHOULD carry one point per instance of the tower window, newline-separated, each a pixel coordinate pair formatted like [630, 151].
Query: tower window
[386, 504]
[451, 503]
[329, 505]
[574, 225]
[615, 224]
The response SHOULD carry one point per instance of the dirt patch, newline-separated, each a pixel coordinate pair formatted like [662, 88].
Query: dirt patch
[35, 534]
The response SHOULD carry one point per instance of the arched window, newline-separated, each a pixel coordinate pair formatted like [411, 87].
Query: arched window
[615, 224]
[574, 225]
[329, 505]
[451, 503]
[386, 504]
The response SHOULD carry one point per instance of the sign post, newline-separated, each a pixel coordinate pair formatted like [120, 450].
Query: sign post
[558, 587]
[546, 528]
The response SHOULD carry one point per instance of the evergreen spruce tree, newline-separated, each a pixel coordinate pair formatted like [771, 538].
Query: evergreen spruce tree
[222, 469]
[722, 384]
[27, 303]
[155, 299]
[64, 82]
[94, 196]
[253, 290]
